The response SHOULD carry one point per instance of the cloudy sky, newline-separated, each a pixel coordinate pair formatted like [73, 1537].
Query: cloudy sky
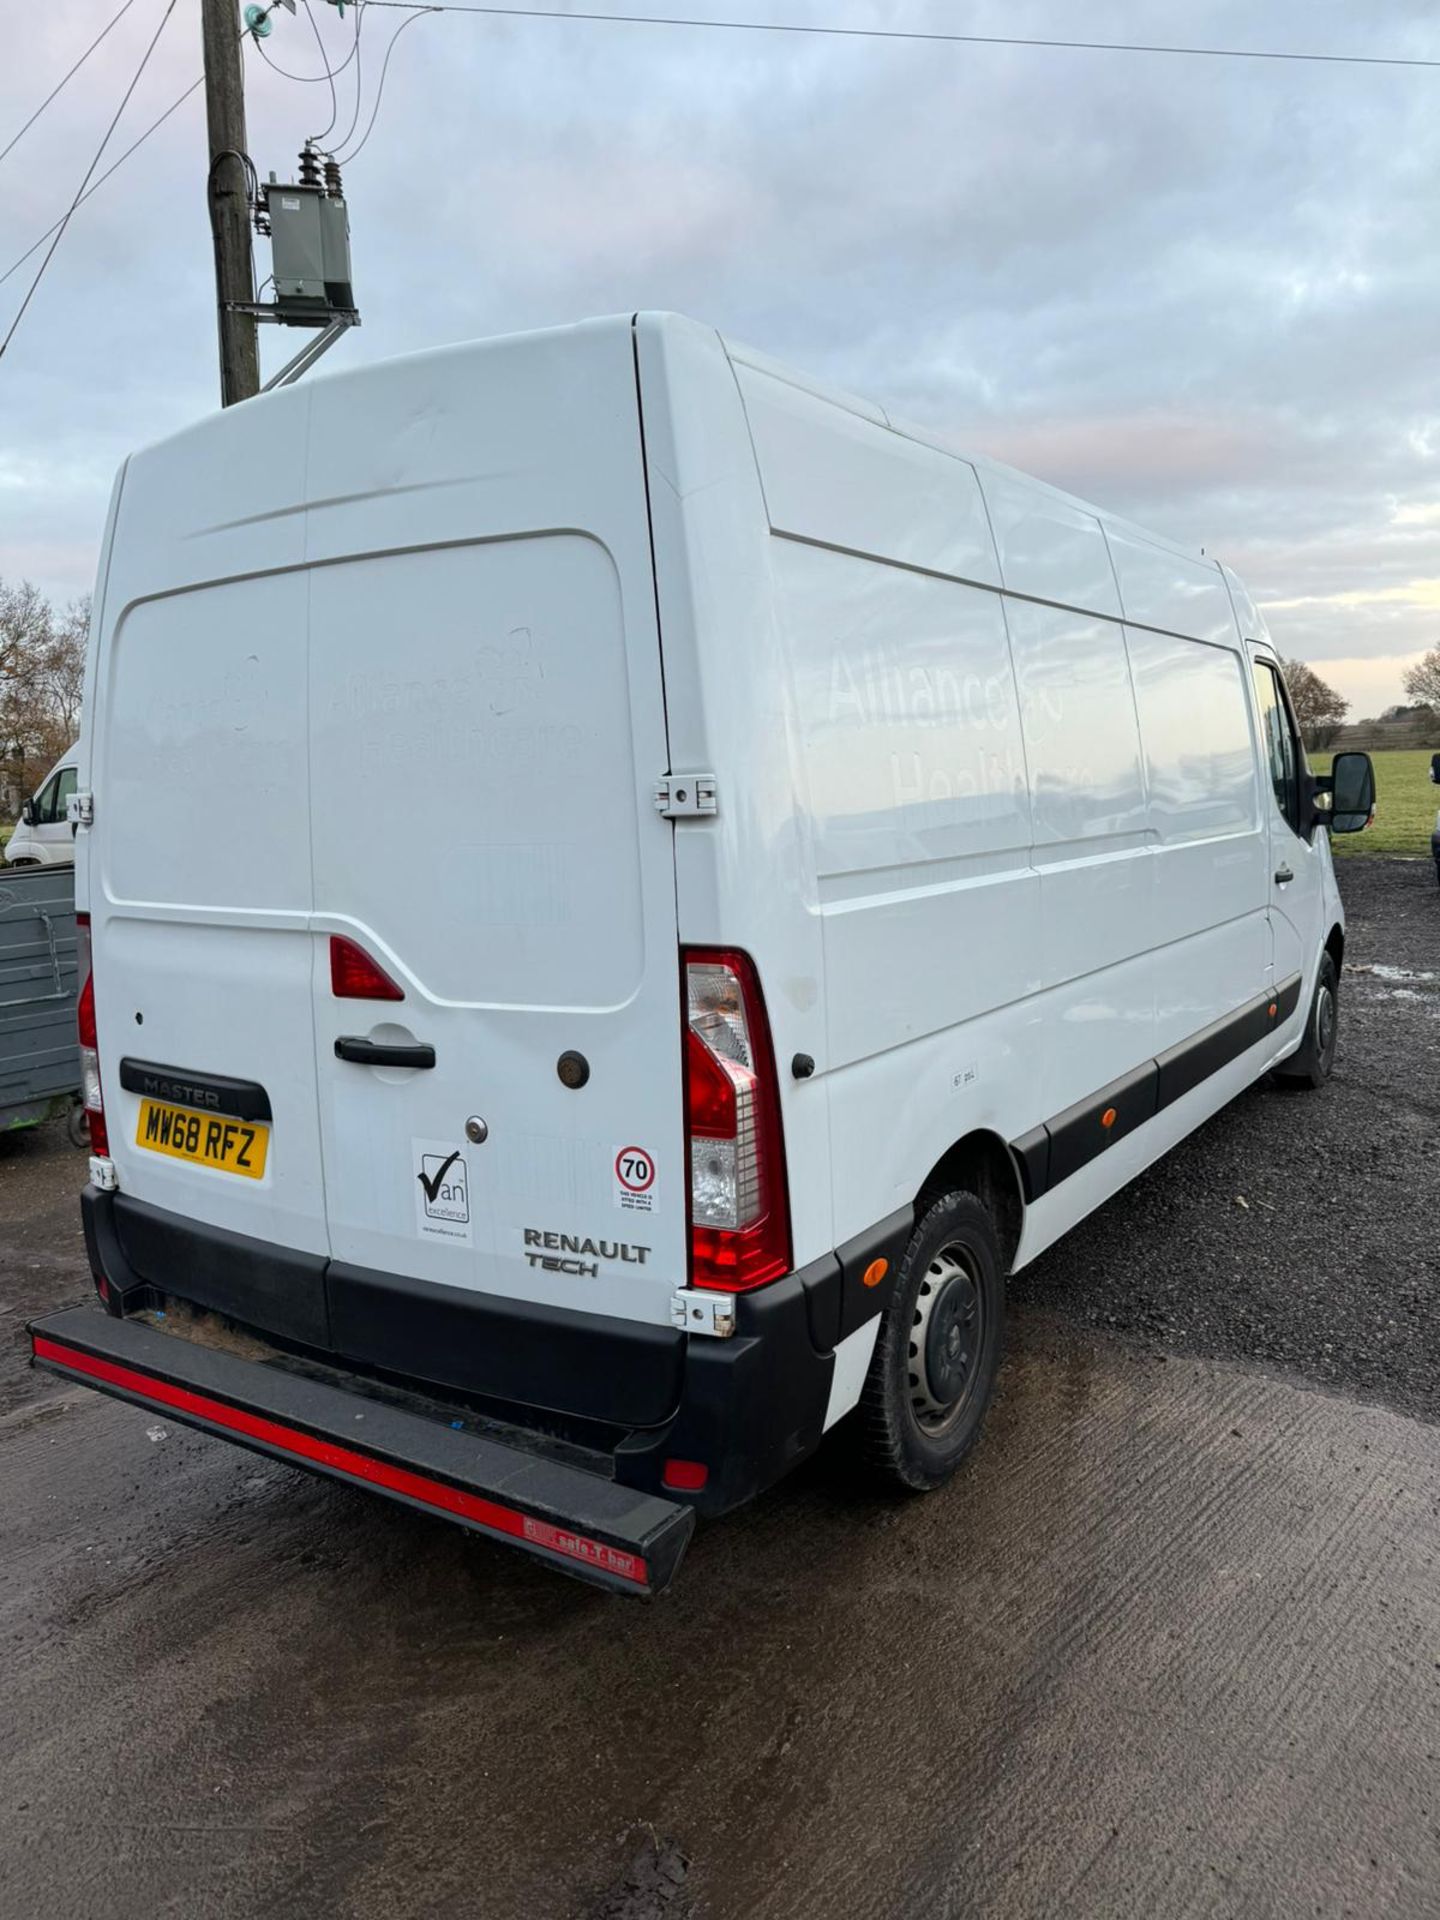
[1205, 293]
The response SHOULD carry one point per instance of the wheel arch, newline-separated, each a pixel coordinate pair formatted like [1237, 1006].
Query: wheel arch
[1335, 947]
[982, 1163]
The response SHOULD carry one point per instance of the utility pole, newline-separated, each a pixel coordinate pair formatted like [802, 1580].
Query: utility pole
[228, 199]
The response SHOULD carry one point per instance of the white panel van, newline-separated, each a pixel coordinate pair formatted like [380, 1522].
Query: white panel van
[43, 836]
[683, 883]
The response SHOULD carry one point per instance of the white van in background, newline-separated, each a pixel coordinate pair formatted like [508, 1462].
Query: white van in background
[43, 836]
[684, 883]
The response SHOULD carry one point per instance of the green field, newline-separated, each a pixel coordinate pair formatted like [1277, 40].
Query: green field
[1405, 805]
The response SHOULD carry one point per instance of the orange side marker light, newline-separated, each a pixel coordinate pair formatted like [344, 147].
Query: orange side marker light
[875, 1273]
[1108, 1118]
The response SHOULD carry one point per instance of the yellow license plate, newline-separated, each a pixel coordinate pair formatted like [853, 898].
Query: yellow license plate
[234, 1146]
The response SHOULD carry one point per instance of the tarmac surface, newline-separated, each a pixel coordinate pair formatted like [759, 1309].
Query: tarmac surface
[1169, 1645]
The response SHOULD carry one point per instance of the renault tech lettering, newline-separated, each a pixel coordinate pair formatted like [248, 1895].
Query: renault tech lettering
[683, 883]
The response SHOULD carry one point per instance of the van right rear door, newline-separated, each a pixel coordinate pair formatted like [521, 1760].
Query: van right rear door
[486, 730]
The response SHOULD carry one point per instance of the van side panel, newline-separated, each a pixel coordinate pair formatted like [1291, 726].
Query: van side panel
[1162, 588]
[1092, 847]
[913, 782]
[875, 492]
[1049, 548]
[1209, 930]
[1038, 855]
[909, 725]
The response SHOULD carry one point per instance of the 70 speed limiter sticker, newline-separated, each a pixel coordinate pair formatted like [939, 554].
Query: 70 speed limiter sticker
[635, 1183]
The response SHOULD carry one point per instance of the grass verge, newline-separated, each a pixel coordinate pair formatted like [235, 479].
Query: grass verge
[1405, 805]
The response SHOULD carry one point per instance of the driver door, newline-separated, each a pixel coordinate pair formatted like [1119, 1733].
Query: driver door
[1297, 862]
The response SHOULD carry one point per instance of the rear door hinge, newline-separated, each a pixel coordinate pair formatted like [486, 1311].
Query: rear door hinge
[80, 810]
[686, 796]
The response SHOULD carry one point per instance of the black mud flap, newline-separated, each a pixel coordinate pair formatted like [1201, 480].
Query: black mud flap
[580, 1523]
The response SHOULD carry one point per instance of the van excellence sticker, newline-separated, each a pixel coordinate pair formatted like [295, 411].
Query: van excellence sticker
[442, 1192]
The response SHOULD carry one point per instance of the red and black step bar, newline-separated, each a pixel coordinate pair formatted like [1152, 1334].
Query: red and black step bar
[580, 1523]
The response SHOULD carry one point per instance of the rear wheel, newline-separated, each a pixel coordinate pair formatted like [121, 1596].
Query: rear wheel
[1311, 1066]
[938, 1349]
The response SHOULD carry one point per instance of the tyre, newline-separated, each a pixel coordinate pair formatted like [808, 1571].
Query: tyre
[77, 1126]
[1311, 1066]
[938, 1350]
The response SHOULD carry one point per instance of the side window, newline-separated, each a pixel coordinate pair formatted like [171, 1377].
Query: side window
[1279, 743]
[45, 803]
[64, 788]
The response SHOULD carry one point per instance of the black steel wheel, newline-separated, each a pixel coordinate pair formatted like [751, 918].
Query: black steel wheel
[1311, 1067]
[938, 1349]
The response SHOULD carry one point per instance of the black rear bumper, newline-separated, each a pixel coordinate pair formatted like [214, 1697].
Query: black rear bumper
[579, 1522]
[748, 1407]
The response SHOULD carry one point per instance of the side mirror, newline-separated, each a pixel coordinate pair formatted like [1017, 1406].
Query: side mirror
[27, 813]
[1352, 792]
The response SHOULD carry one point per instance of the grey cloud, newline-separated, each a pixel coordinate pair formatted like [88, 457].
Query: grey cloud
[1201, 293]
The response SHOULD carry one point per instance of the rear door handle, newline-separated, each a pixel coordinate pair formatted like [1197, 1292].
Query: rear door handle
[370, 1053]
[1282, 875]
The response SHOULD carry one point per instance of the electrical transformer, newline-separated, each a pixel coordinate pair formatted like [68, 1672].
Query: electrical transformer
[310, 246]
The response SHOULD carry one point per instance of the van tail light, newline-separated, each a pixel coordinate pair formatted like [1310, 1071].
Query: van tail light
[739, 1212]
[90, 1092]
[355, 976]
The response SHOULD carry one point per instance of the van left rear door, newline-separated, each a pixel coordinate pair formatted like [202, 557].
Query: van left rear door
[197, 877]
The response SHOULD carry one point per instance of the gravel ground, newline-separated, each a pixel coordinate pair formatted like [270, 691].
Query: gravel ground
[1298, 1229]
[1178, 1621]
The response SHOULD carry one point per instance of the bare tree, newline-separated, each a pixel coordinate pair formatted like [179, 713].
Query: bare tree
[1318, 707]
[1422, 681]
[63, 669]
[42, 670]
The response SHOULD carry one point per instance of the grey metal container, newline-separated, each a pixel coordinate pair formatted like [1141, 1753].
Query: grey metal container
[39, 1053]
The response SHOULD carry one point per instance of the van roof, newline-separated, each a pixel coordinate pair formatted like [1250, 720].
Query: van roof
[925, 436]
[296, 397]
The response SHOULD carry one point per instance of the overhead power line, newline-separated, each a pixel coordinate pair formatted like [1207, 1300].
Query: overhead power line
[80, 190]
[355, 116]
[115, 165]
[900, 33]
[419, 14]
[35, 246]
[15, 139]
[320, 44]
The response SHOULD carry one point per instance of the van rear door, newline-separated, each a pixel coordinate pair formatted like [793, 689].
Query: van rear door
[381, 665]
[196, 875]
[486, 729]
